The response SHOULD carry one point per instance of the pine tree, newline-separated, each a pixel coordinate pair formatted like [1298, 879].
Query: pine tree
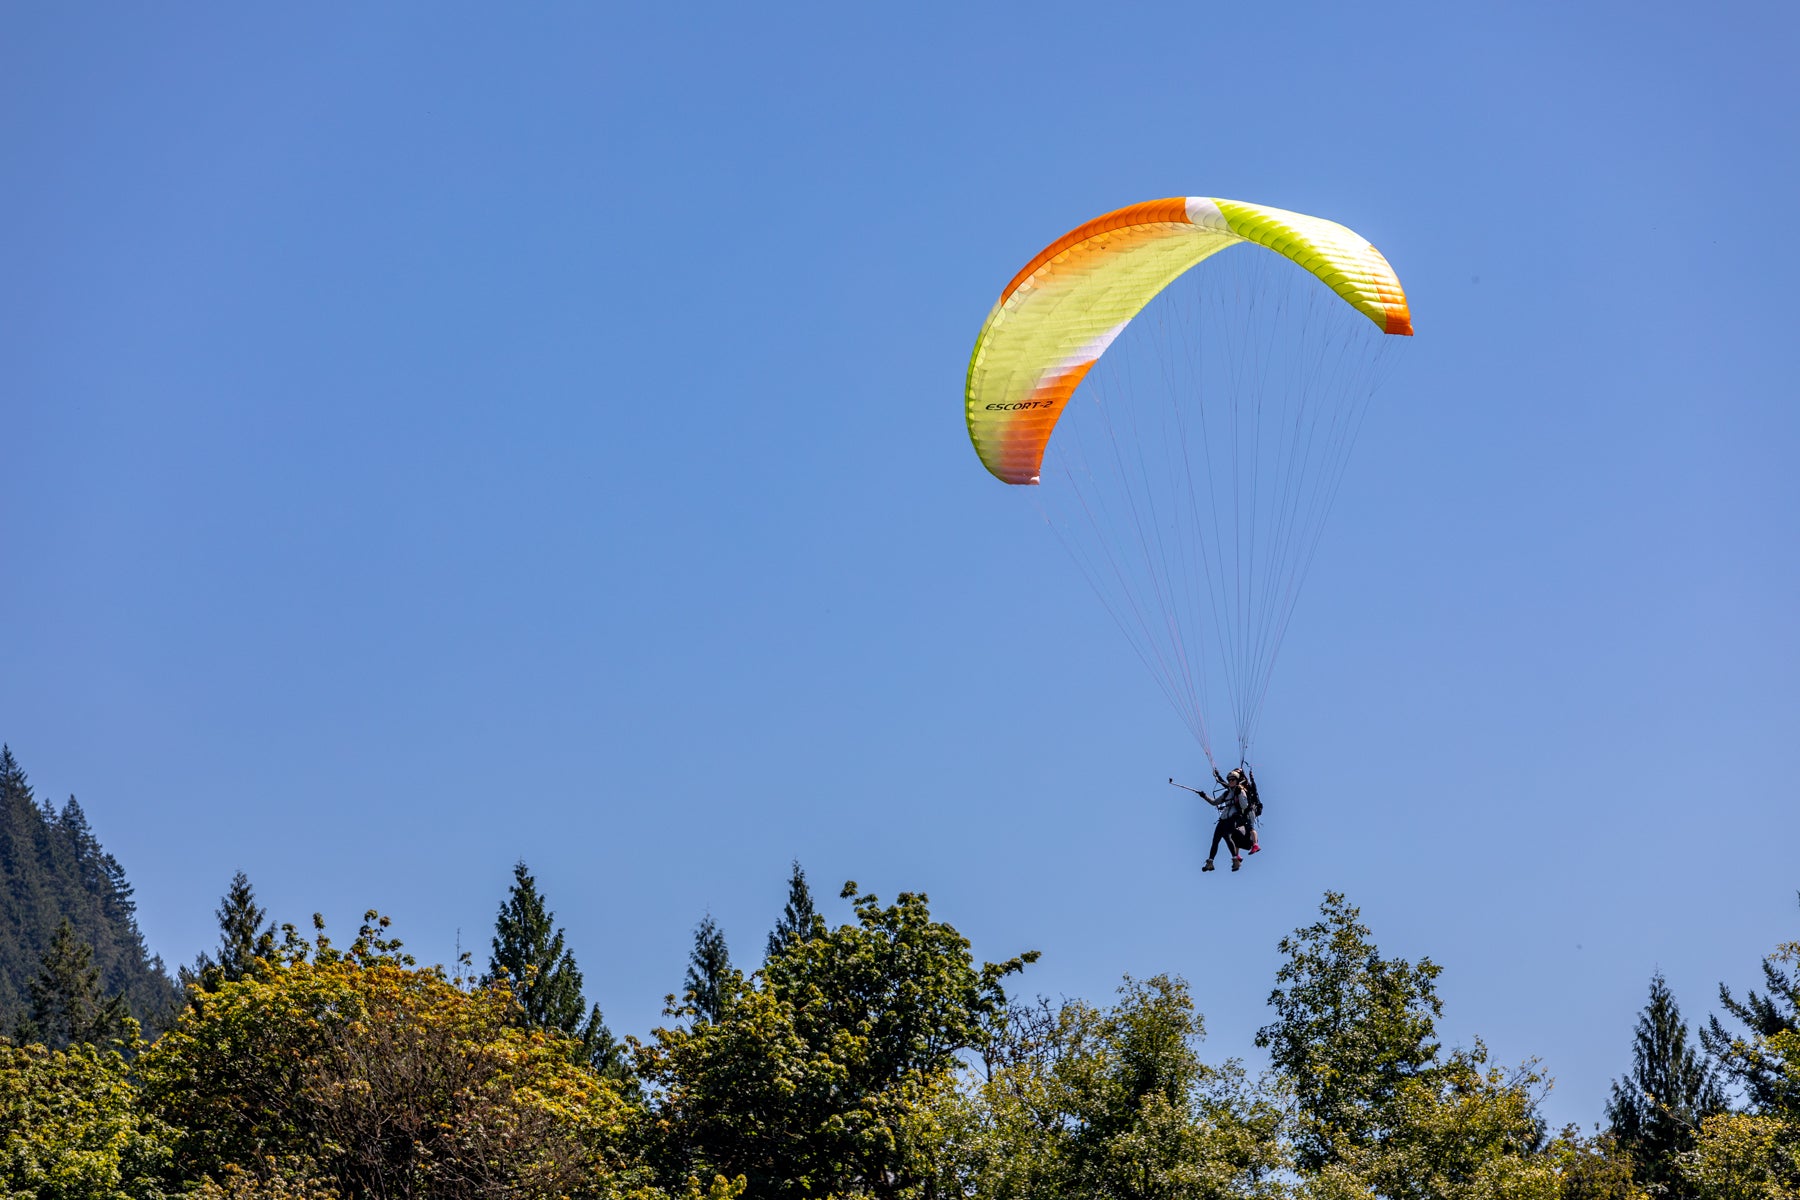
[1657, 1109]
[68, 1004]
[529, 953]
[243, 938]
[709, 970]
[797, 916]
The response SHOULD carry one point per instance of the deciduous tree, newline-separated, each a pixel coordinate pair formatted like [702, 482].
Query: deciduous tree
[72, 1127]
[1352, 1029]
[385, 1080]
[1113, 1102]
[809, 1079]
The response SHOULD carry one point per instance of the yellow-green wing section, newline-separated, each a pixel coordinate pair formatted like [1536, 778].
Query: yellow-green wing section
[1062, 311]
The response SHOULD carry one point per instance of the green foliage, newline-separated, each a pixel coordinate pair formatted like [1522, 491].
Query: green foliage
[1378, 1109]
[529, 951]
[1593, 1168]
[1742, 1156]
[1753, 1155]
[1081, 1102]
[1352, 1030]
[71, 1128]
[1460, 1131]
[815, 1077]
[529, 954]
[53, 869]
[875, 1060]
[1657, 1109]
[273, 1180]
[798, 916]
[244, 939]
[710, 979]
[1745, 1058]
[354, 1068]
[1150, 1120]
[67, 1004]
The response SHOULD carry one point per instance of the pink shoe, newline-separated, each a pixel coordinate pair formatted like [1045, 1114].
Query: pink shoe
[1256, 848]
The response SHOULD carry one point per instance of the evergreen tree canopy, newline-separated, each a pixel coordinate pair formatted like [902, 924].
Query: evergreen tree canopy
[1656, 1110]
[708, 987]
[243, 938]
[1745, 1058]
[52, 868]
[797, 916]
[68, 1005]
[529, 952]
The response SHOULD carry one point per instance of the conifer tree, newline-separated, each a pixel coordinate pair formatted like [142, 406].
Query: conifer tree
[12, 776]
[53, 868]
[103, 877]
[797, 916]
[68, 1005]
[1657, 1109]
[1745, 1057]
[243, 938]
[709, 970]
[20, 886]
[529, 952]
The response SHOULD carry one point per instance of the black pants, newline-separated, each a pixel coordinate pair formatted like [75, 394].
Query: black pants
[1227, 831]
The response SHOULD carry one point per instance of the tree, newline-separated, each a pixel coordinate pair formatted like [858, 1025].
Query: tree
[1592, 1168]
[708, 987]
[1352, 1029]
[1742, 1156]
[1463, 1130]
[1111, 1102]
[1657, 1109]
[68, 1005]
[357, 1069]
[52, 868]
[1744, 1057]
[530, 955]
[797, 916]
[13, 780]
[243, 939]
[1756, 1154]
[22, 884]
[811, 1077]
[72, 1127]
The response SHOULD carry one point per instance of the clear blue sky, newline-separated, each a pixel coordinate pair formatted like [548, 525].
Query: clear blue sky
[435, 436]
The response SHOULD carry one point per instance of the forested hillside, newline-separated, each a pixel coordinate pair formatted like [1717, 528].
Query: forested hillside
[53, 869]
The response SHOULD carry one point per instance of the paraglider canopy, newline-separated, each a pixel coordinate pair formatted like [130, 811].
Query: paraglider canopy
[1192, 486]
[1060, 313]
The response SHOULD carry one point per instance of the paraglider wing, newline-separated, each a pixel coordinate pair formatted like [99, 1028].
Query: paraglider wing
[1058, 315]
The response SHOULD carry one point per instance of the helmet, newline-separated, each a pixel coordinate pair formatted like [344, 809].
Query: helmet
[1235, 775]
